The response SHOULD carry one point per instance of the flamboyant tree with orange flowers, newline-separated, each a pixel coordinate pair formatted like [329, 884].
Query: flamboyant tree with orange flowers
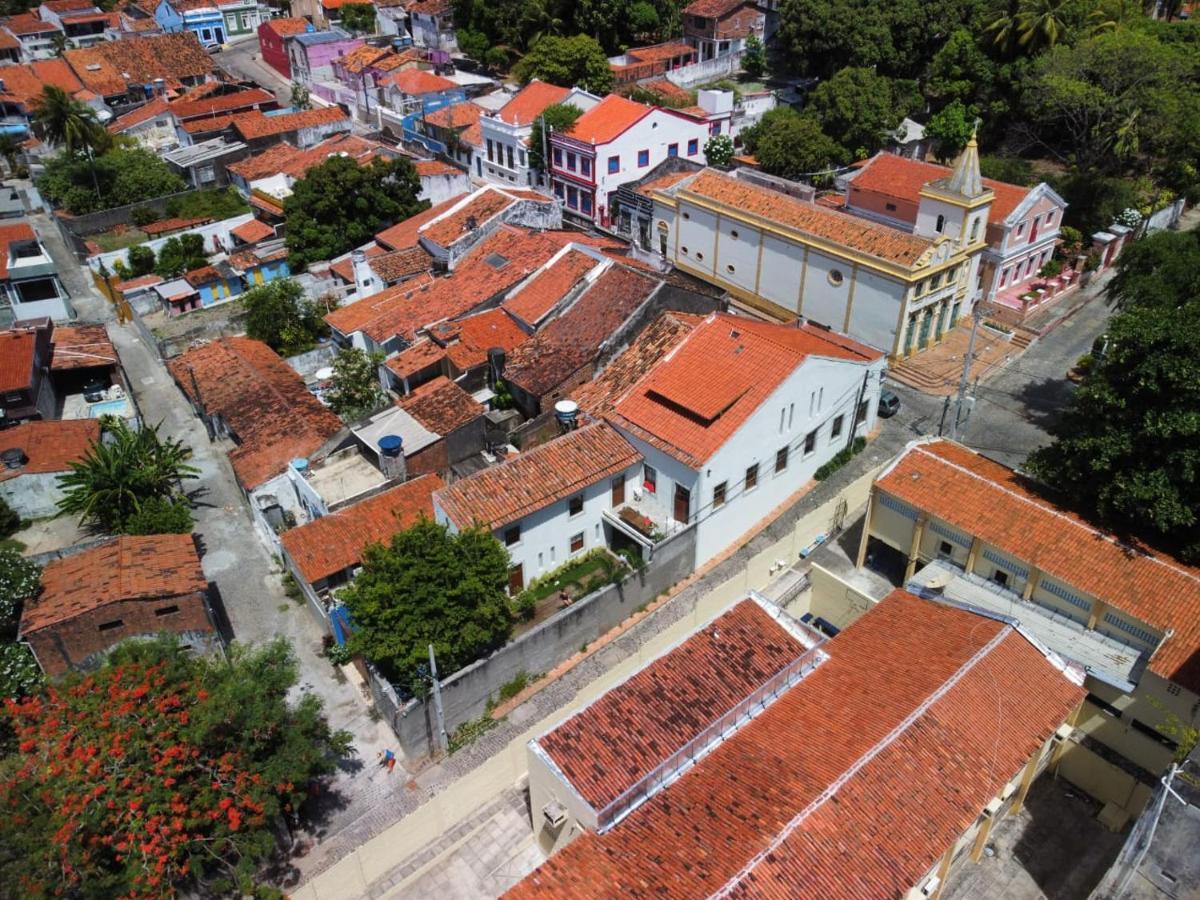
[160, 770]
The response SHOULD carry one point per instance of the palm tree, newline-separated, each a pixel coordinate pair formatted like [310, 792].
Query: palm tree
[65, 121]
[9, 148]
[1041, 23]
[1113, 14]
[1003, 29]
[119, 474]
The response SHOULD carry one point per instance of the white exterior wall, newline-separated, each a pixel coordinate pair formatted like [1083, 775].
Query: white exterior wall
[504, 138]
[546, 534]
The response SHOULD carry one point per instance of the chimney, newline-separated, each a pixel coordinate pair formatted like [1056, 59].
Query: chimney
[391, 457]
[365, 282]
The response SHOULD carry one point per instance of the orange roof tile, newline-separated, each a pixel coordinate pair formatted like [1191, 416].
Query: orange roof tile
[164, 225]
[261, 399]
[159, 106]
[416, 82]
[18, 231]
[149, 567]
[343, 266]
[81, 347]
[714, 9]
[400, 264]
[661, 52]
[358, 148]
[896, 176]
[999, 505]
[690, 404]
[417, 358]
[361, 57]
[572, 341]
[253, 125]
[867, 237]
[456, 116]
[8, 42]
[285, 27]
[253, 231]
[404, 234]
[542, 293]
[483, 206]
[468, 340]
[429, 168]
[441, 406]
[530, 102]
[669, 92]
[27, 23]
[222, 103]
[536, 478]
[133, 284]
[24, 83]
[336, 542]
[49, 446]
[140, 60]
[267, 163]
[607, 119]
[197, 127]
[852, 783]
[663, 182]
[17, 349]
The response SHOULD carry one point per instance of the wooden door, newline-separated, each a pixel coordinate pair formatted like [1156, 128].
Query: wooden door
[618, 491]
[516, 580]
[683, 503]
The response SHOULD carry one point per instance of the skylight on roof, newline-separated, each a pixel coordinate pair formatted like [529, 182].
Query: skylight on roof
[496, 261]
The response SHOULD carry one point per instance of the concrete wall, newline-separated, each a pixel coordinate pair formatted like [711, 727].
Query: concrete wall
[34, 494]
[465, 694]
[1102, 780]
[835, 600]
[216, 237]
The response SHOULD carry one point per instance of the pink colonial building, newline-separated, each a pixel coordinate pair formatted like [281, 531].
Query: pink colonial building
[1022, 230]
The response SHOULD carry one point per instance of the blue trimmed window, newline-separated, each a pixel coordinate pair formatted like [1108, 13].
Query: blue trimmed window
[643, 158]
[614, 165]
[693, 146]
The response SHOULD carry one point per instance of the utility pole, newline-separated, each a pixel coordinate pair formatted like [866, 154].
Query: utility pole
[545, 151]
[945, 409]
[976, 318]
[439, 715]
[854, 412]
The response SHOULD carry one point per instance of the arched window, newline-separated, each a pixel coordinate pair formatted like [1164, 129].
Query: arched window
[974, 229]
[941, 224]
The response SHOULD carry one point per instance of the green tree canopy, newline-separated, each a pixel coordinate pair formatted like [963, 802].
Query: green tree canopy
[161, 772]
[124, 176]
[429, 587]
[340, 205]
[121, 473]
[356, 389]
[358, 18]
[557, 117]
[858, 109]
[792, 145]
[279, 315]
[1127, 448]
[960, 70]
[141, 260]
[66, 122]
[179, 254]
[951, 127]
[754, 60]
[577, 61]
[20, 580]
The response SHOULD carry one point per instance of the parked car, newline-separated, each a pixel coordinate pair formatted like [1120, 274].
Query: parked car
[889, 404]
[94, 390]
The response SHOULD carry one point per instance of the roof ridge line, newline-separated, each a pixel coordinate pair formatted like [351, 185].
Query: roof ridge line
[1104, 535]
[881, 745]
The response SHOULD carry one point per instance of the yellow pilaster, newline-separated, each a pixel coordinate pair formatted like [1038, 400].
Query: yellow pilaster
[1026, 781]
[866, 532]
[915, 547]
[972, 555]
[1031, 583]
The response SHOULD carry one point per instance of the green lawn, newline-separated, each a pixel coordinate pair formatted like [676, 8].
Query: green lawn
[118, 240]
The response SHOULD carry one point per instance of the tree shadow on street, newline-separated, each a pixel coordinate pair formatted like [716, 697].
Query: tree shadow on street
[1044, 400]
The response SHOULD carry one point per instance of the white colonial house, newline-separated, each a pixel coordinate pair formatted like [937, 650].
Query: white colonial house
[548, 504]
[506, 134]
[737, 417]
[618, 141]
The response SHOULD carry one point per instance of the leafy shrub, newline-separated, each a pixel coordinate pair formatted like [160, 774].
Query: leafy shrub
[143, 215]
[10, 520]
[338, 654]
[843, 456]
[160, 515]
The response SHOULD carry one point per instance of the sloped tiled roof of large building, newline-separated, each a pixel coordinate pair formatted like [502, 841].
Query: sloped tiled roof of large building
[49, 446]
[420, 356]
[267, 163]
[81, 347]
[441, 406]
[663, 335]
[538, 296]
[27, 23]
[397, 265]
[416, 82]
[607, 119]
[479, 208]
[262, 400]
[853, 782]
[536, 478]
[530, 102]
[695, 399]
[126, 568]
[404, 234]
[902, 178]
[468, 340]
[871, 238]
[253, 125]
[613, 743]
[456, 116]
[220, 103]
[24, 83]
[284, 27]
[999, 505]
[108, 67]
[572, 340]
[159, 106]
[362, 150]
[335, 542]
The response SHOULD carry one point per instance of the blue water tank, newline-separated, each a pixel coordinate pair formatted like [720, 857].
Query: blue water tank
[391, 444]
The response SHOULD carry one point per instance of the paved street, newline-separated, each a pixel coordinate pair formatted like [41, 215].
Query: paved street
[1014, 406]
[243, 60]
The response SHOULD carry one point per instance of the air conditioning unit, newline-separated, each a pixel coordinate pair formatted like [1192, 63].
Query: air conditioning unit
[555, 814]
[929, 888]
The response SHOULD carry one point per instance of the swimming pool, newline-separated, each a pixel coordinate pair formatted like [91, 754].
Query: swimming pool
[119, 408]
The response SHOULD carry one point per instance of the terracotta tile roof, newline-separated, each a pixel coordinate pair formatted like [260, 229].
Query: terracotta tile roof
[901, 178]
[713, 9]
[691, 403]
[253, 125]
[287, 26]
[417, 358]
[253, 231]
[172, 57]
[867, 237]
[262, 400]
[49, 445]
[662, 182]
[16, 359]
[416, 82]
[149, 567]
[456, 116]
[668, 91]
[483, 206]
[81, 347]
[267, 206]
[660, 52]
[404, 234]
[203, 275]
[62, 6]
[361, 57]
[336, 542]
[530, 102]
[538, 296]
[164, 225]
[27, 23]
[607, 119]
[24, 83]
[468, 340]
[613, 743]
[400, 264]
[412, 58]
[358, 314]
[8, 42]
[18, 231]
[360, 149]
[209, 106]
[213, 124]
[343, 266]
[572, 340]
[852, 783]
[159, 106]
[429, 7]
[133, 284]
[536, 478]
[987, 499]
[428, 168]
[269, 162]
[441, 406]
[472, 135]
[662, 336]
